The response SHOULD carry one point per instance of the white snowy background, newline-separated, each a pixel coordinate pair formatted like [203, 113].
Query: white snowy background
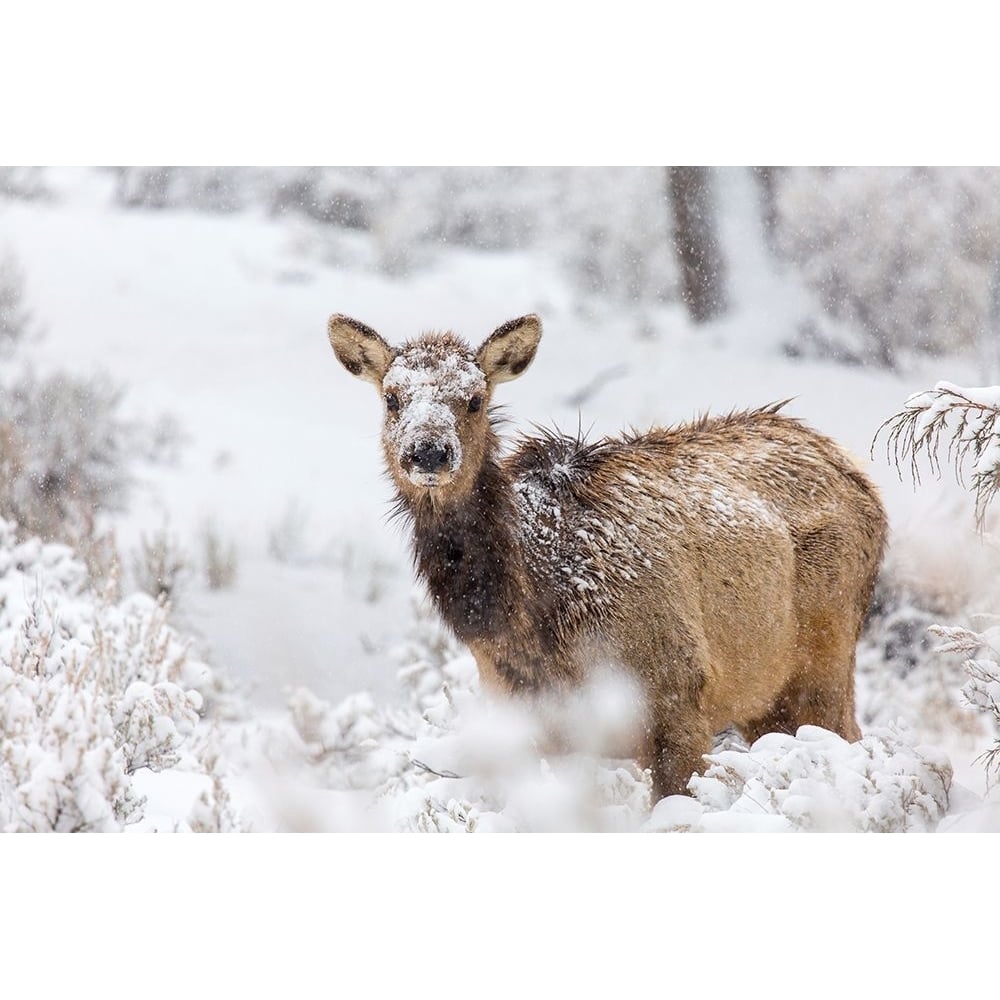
[295, 680]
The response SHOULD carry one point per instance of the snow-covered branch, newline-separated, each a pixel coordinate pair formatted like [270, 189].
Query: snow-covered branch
[967, 419]
[982, 690]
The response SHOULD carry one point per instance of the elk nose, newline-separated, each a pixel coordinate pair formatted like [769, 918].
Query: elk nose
[430, 457]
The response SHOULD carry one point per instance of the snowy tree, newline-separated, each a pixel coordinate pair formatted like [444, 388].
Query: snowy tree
[696, 243]
[767, 179]
[906, 255]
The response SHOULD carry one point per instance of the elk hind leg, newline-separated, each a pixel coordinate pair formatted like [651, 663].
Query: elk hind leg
[822, 691]
[828, 622]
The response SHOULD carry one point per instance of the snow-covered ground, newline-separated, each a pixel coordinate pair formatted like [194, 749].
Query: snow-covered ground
[219, 323]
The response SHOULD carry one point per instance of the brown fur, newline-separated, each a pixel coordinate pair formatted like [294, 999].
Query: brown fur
[727, 563]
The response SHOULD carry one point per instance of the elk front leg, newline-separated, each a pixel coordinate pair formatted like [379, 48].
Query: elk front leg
[680, 733]
[678, 753]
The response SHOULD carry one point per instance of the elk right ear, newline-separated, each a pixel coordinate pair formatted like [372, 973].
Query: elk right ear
[510, 348]
[359, 348]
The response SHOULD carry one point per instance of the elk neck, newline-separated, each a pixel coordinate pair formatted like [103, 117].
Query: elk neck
[468, 551]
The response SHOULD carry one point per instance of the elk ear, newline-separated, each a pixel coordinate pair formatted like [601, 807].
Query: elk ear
[359, 348]
[510, 348]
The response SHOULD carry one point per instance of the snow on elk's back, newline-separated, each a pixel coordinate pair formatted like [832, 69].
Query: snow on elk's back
[595, 547]
[723, 502]
[577, 545]
[431, 377]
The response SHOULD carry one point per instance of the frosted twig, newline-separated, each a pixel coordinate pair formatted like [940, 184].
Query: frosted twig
[430, 770]
[970, 419]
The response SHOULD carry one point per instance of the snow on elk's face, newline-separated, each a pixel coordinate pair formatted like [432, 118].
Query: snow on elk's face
[434, 393]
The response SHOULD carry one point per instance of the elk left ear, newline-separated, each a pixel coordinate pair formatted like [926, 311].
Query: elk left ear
[359, 348]
[510, 348]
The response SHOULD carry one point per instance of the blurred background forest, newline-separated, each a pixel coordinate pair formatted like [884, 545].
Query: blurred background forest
[898, 259]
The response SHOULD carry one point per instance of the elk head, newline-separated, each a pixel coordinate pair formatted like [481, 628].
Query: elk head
[436, 391]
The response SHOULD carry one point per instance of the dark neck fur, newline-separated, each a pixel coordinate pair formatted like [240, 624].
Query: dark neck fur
[470, 556]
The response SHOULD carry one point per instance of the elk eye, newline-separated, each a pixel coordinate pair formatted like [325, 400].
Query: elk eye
[391, 402]
[475, 403]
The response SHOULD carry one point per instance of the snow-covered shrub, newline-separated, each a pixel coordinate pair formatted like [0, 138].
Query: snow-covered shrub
[205, 189]
[336, 196]
[616, 228]
[23, 183]
[144, 187]
[359, 744]
[454, 760]
[64, 452]
[287, 538]
[91, 690]
[816, 781]
[822, 337]
[905, 254]
[468, 764]
[982, 689]
[16, 321]
[213, 812]
[219, 558]
[160, 566]
[608, 226]
[490, 208]
[900, 673]
[967, 419]
[485, 207]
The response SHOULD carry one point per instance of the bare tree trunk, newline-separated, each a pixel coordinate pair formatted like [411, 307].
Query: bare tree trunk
[767, 182]
[696, 245]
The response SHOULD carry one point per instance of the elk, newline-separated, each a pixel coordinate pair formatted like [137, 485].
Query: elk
[726, 564]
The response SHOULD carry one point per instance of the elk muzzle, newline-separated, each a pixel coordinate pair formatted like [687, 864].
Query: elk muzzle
[430, 462]
[431, 457]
